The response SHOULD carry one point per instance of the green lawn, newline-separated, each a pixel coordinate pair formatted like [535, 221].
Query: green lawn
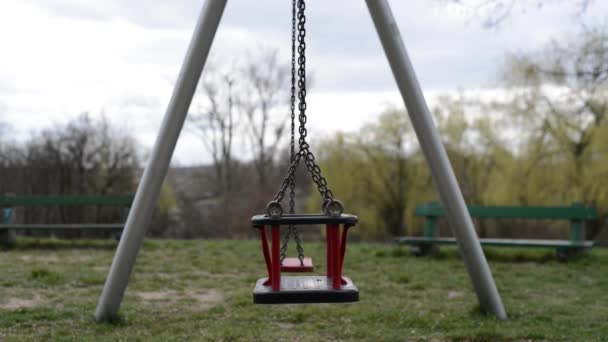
[184, 290]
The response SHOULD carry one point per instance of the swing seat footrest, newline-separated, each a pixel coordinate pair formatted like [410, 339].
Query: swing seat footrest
[305, 290]
[294, 265]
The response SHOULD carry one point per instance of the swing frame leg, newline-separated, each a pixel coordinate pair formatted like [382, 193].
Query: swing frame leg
[148, 190]
[430, 142]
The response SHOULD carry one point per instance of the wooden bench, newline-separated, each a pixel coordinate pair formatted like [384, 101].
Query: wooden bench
[8, 227]
[577, 214]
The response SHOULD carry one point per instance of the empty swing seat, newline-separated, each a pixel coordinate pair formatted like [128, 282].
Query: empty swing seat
[330, 288]
[305, 290]
[294, 265]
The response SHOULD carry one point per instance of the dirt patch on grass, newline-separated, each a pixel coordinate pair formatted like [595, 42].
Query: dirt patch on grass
[48, 259]
[159, 296]
[285, 325]
[455, 294]
[195, 299]
[84, 257]
[21, 303]
[103, 269]
[207, 299]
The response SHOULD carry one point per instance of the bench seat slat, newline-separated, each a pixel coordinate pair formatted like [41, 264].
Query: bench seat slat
[62, 226]
[414, 240]
[548, 213]
[118, 200]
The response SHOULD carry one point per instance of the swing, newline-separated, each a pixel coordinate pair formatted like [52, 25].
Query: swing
[301, 263]
[332, 287]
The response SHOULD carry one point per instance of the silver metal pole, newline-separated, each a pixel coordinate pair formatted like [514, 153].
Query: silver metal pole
[150, 185]
[441, 169]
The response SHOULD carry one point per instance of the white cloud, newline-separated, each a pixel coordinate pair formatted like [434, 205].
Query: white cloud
[63, 57]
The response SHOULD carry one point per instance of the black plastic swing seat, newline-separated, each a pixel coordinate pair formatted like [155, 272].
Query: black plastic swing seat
[305, 290]
[303, 219]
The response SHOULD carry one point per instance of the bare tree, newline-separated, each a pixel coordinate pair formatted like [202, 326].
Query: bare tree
[265, 106]
[561, 94]
[3, 125]
[243, 104]
[115, 159]
[578, 71]
[85, 156]
[385, 148]
[240, 107]
[88, 156]
[494, 12]
[3, 157]
[216, 120]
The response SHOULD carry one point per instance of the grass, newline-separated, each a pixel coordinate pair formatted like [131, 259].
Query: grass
[201, 290]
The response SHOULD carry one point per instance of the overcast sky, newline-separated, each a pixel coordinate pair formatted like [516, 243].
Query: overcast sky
[60, 58]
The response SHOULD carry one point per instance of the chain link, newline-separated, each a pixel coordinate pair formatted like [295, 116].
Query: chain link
[304, 148]
[292, 185]
[284, 244]
[292, 230]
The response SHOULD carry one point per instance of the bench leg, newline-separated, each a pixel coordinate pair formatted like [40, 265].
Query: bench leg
[117, 235]
[563, 254]
[8, 237]
[423, 249]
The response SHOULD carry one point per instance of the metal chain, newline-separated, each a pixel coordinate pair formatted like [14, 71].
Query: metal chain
[309, 157]
[284, 244]
[330, 205]
[292, 229]
[302, 74]
[286, 181]
[293, 102]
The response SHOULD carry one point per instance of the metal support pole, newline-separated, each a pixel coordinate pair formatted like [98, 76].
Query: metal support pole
[150, 185]
[441, 169]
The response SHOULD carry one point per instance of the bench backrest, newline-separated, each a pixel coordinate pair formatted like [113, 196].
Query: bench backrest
[577, 214]
[574, 212]
[8, 203]
[30, 201]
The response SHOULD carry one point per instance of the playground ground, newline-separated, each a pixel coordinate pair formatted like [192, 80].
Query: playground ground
[201, 290]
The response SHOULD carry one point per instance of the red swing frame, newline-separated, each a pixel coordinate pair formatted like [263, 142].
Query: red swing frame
[335, 252]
